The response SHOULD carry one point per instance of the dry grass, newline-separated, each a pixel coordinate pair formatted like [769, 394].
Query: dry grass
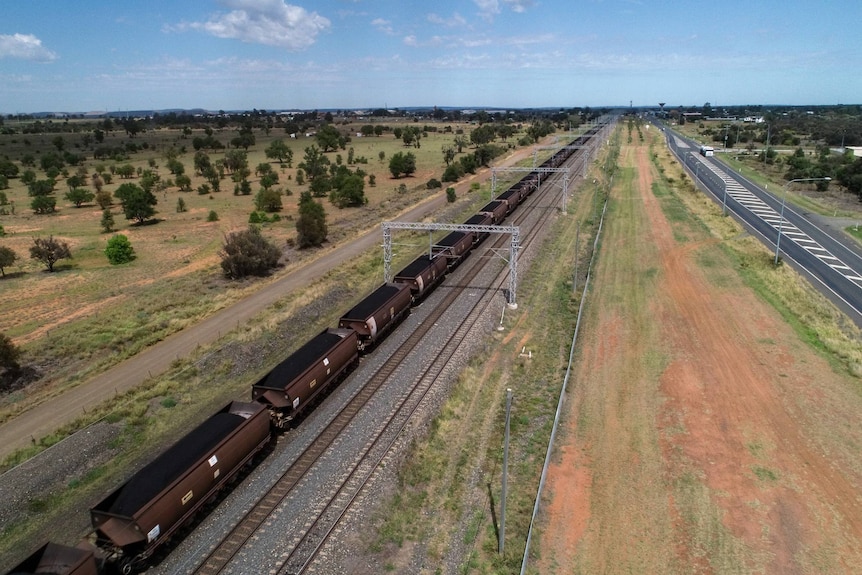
[89, 315]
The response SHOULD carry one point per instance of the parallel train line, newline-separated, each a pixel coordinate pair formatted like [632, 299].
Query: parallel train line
[307, 545]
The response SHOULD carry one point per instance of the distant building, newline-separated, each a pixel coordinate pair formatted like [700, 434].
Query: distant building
[857, 150]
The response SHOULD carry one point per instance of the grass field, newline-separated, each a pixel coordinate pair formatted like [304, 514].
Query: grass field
[88, 314]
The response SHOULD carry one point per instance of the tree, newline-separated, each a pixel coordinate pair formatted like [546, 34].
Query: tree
[236, 161]
[330, 139]
[176, 167]
[268, 200]
[50, 160]
[453, 172]
[119, 250]
[269, 180]
[97, 181]
[402, 164]
[201, 161]
[138, 204]
[349, 192]
[8, 168]
[49, 251]
[247, 253]
[483, 134]
[263, 169]
[104, 198]
[7, 258]
[76, 181]
[79, 196]
[40, 188]
[448, 154]
[450, 194]
[107, 222]
[9, 353]
[244, 141]
[314, 163]
[280, 151]
[43, 204]
[126, 171]
[460, 143]
[183, 182]
[311, 228]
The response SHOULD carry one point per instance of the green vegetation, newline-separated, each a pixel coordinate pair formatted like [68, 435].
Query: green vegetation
[119, 250]
[248, 253]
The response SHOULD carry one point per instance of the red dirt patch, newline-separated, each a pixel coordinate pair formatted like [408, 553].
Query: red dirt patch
[744, 419]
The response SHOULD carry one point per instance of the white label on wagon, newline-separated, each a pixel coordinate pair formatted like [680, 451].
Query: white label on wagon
[325, 361]
[154, 534]
[213, 460]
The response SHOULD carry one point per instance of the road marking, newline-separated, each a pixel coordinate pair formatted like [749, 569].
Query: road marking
[759, 208]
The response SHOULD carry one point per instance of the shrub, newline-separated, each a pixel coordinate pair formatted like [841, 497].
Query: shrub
[9, 353]
[43, 204]
[433, 184]
[453, 173]
[248, 253]
[107, 222]
[450, 194]
[213, 216]
[119, 250]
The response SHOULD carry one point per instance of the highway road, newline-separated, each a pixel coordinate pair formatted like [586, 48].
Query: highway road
[830, 260]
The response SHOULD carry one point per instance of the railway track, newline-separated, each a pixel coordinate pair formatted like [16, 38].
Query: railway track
[307, 543]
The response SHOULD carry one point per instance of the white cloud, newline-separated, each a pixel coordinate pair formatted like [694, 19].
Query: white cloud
[25, 47]
[384, 26]
[411, 40]
[456, 20]
[490, 8]
[518, 5]
[269, 22]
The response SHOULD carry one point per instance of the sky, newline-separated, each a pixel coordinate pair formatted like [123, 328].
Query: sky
[116, 55]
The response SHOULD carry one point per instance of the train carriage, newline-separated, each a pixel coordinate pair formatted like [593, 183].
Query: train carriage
[422, 275]
[292, 385]
[145, 511]
[378, 313]
[454, 247]
[497, 209]
[55, 559]
[481, 219]
[512, 198]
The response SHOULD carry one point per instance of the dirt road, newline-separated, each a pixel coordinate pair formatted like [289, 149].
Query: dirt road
[702, 436]
[50, 415]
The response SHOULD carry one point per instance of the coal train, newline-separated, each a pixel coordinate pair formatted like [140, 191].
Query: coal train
[143, 513]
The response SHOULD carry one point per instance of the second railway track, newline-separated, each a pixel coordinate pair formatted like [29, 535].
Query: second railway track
[303, 543]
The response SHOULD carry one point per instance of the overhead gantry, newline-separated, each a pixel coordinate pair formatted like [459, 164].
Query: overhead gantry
[514, 246]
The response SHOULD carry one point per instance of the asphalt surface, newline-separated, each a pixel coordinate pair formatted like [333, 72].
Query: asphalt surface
[814, 245]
